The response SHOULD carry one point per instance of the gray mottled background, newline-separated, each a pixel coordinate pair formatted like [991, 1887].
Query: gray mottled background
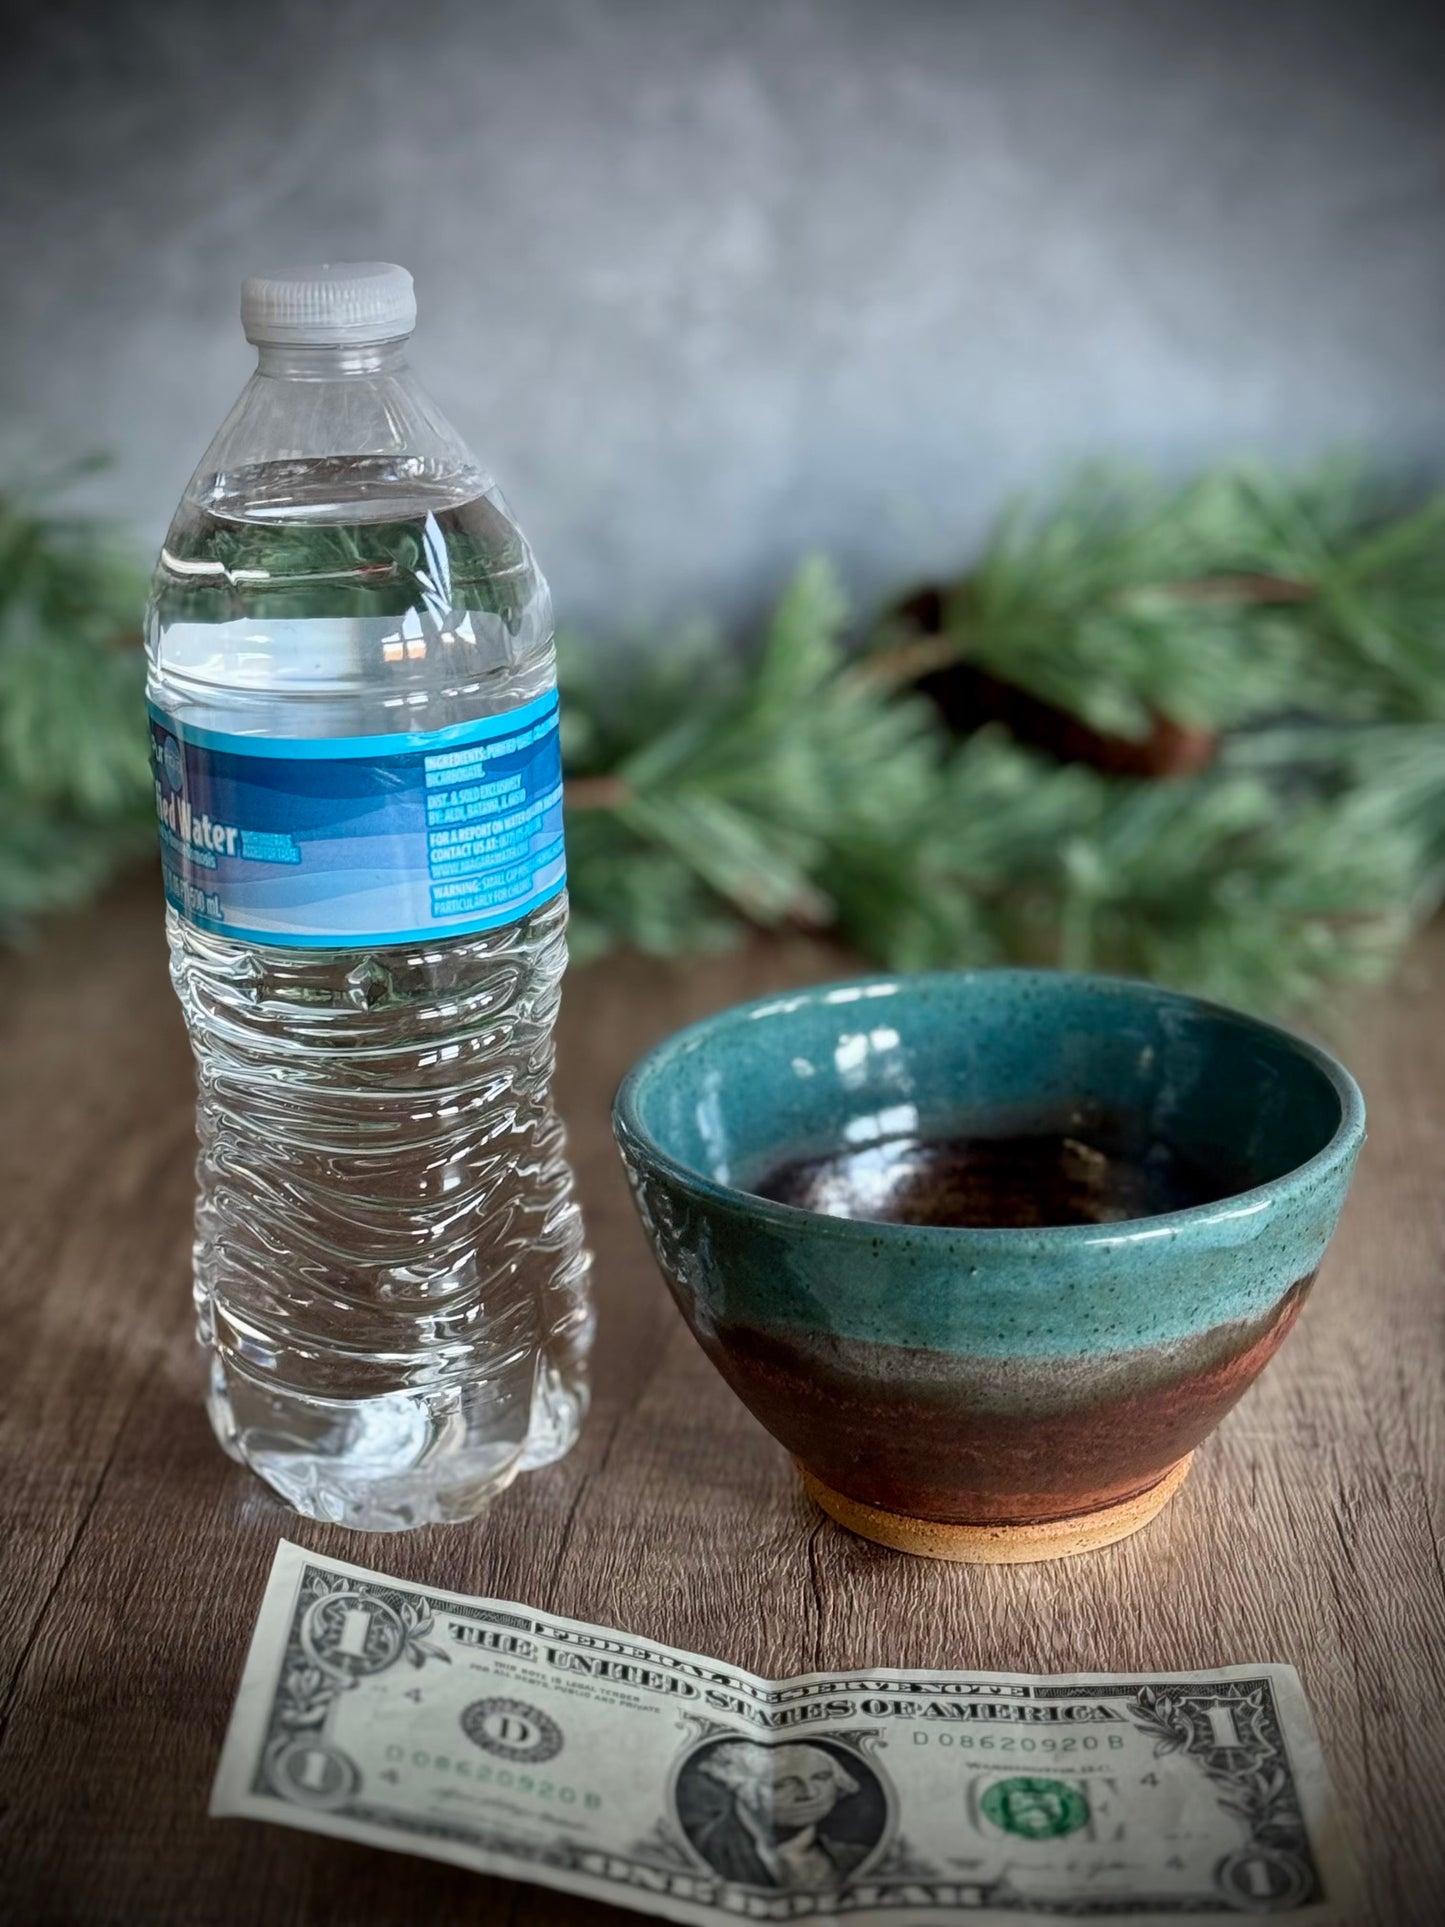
[713, 282]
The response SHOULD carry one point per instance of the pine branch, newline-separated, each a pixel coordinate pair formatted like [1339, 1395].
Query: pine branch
[1238, 598]
[814, 791]
[807, 785]
[74, 781]
[749, 788]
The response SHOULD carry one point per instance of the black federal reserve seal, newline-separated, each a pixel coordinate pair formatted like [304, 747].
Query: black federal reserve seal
[512, 1730]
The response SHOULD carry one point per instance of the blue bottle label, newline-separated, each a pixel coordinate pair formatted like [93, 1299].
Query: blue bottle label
[340, 842]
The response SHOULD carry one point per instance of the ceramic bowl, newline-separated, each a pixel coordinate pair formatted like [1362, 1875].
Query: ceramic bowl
[988, 1392]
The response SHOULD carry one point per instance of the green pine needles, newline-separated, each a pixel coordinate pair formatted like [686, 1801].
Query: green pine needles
[1295, 627]
[74, 783]
[806, 789]
[1235, 599]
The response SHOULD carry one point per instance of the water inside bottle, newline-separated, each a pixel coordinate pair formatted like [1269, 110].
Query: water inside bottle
[389, 1269]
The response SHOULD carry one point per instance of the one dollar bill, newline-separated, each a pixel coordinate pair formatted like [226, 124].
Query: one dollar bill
[523, 1744]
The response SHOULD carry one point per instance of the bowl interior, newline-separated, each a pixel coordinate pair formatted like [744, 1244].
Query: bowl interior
[847, 1068]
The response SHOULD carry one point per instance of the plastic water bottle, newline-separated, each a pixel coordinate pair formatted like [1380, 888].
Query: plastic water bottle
[354, 741]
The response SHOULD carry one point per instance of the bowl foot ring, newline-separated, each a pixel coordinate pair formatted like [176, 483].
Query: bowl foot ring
[1000, 1545]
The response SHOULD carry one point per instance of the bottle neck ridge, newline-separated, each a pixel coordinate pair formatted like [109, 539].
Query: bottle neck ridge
[294, 361]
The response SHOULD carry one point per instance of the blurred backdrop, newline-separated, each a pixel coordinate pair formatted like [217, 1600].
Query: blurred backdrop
[722, 288]
[712, 283]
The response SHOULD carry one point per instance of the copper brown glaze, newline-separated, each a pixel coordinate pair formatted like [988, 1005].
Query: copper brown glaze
[927, 1436]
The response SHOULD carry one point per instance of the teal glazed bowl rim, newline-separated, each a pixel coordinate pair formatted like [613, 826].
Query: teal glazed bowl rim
[636, 1139]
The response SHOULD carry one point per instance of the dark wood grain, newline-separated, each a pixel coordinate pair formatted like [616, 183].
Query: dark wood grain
[134, 1553]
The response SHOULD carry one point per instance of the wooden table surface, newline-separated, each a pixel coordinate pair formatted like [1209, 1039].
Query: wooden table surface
[134, 1554]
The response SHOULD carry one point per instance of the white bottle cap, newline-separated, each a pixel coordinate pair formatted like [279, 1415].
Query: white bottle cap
[346, 303]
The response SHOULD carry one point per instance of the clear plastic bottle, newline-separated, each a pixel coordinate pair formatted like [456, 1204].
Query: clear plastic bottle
[354, 740]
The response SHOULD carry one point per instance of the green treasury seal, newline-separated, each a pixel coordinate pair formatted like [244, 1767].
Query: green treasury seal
[1036, 1809]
